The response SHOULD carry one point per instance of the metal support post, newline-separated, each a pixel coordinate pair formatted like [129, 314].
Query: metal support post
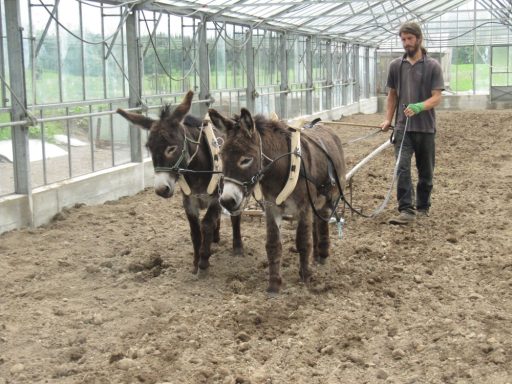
[344, 74]
[328, 63]
[283, 67]
[355, 66]
[134, 79]
[204, 69]
[375, 61]
[251, 78]
[367, 72]
[309, 76]
[20, 140]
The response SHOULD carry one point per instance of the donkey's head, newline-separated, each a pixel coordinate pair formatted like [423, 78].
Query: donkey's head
[241, 158]
[166, 142]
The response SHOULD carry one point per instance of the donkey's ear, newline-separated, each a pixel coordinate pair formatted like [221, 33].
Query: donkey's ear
[219, 121]
[246, 121]
[181, 110]
[137, 119]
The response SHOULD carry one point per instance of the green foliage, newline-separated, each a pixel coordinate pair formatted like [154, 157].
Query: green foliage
[5, 133]
[462, 55]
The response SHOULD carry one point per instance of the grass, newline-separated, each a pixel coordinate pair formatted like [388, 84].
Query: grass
[462, 77]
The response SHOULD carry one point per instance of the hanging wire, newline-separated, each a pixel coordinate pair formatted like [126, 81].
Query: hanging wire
[193, 65]
[130, 85]
[103, 6]
[202, 5]
[104, 42]
[394, 32]
[31, 119]
[225, 38]
[121, 24]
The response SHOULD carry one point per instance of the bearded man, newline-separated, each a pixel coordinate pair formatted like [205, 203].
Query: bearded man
[415, 82]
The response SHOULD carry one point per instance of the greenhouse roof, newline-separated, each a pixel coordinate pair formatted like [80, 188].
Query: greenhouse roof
[366, 22]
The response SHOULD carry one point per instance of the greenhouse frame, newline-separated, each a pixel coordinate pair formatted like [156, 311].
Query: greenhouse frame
[67, 65]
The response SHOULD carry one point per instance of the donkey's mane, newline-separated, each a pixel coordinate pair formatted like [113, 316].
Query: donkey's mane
[192, 121]
[264, 125]
[165, 112]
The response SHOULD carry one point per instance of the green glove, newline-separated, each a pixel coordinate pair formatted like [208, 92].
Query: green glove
[417, 107]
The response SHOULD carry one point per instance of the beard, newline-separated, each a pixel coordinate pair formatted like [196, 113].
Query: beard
[412, 51]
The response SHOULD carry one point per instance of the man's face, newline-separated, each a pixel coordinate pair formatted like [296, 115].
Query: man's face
[410, 43]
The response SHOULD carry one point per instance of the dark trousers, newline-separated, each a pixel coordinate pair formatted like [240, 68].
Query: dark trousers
[422, 145]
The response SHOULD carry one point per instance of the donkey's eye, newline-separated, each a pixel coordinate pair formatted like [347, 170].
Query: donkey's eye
[170, 150]
[244, 162]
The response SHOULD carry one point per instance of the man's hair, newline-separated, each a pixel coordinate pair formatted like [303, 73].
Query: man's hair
[414, 29]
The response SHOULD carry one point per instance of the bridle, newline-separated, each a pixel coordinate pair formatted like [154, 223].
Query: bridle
[247, 185]
[177, 167]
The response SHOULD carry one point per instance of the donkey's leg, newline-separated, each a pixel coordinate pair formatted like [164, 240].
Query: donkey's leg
[216, 233]
[208, 225]
[315, 237]
[274, 249]
[322, 238]
[303, 244]
[238, 248]
[192, 212]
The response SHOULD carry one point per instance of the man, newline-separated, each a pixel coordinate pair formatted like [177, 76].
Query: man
[415, 82]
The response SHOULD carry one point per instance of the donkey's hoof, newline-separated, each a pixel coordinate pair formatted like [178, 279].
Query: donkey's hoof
[305, 278]
[238, 252]
[203, 264]
[273, 289]
[201, 273]
[320, 260]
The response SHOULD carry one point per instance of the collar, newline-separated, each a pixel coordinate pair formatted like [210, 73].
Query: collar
[423, 58]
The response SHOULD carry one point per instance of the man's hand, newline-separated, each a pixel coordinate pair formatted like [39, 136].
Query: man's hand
[385, 125]
[414, 109]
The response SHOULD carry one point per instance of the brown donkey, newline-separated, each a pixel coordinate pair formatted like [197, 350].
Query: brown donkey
[258, 150]
[177, 146]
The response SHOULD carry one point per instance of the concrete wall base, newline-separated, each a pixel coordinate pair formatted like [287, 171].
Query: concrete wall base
[17, 211]
[366, 106]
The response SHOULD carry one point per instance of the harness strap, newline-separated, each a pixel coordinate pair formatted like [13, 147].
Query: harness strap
[185, 188]
[214, 150]
[293, 174]
[213, 146]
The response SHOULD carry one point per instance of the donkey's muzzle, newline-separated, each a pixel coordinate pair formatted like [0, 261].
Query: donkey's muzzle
[164, 191]
[230, 203]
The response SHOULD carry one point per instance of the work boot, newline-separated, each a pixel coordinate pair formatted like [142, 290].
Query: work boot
[403, 218]
[422, 213]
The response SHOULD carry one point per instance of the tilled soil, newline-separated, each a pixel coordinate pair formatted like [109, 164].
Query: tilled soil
[104, 294]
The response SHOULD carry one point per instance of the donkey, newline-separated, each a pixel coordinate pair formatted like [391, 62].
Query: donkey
[255, 150]
[175, 141]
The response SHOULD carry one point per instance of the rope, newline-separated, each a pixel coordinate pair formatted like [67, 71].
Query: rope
[395, 175]
[362, 137]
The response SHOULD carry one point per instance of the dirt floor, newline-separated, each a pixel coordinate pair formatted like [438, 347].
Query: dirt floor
[104, 294]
